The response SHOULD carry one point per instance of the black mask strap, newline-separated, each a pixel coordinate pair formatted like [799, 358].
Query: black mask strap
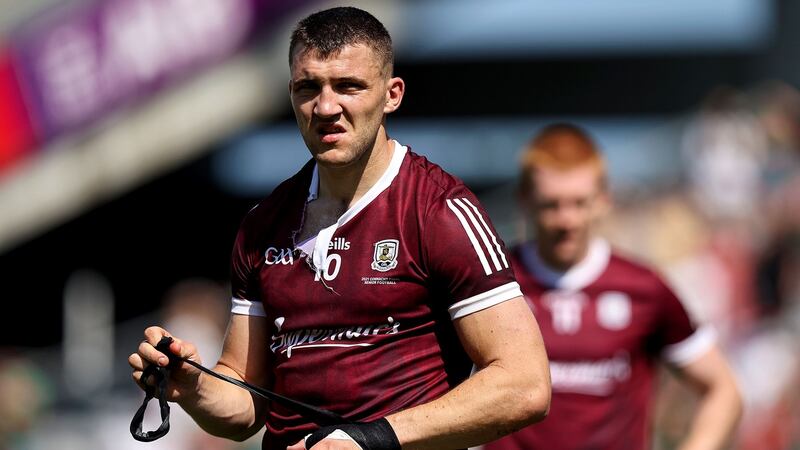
[160, 376]
[321, 417]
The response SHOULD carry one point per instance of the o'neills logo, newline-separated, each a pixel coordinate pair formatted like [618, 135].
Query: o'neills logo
[336, 337]
[339, 243]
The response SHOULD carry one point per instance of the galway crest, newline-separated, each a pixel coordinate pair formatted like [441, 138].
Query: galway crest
[385, 256]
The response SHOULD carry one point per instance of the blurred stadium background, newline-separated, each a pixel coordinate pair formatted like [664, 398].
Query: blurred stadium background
[135, 134]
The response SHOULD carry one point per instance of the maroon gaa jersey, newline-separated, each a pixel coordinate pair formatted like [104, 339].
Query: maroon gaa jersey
[605, 323]
[361, 316]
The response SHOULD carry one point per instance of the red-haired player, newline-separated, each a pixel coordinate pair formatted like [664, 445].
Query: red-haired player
[606, 321]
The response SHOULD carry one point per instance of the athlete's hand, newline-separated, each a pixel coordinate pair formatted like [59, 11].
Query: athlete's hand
[327, 444]
[183, 379]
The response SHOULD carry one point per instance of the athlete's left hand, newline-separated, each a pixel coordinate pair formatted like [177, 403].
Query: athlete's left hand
[327, 444]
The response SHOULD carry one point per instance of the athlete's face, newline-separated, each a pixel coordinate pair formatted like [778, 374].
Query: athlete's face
[565, 205]
[340, 102]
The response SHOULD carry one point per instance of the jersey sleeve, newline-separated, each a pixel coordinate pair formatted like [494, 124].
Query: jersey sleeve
[465, 256]
[680, 341]
[245, 299]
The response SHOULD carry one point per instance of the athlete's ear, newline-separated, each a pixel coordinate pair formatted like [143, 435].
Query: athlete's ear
[604, 203]
[395, 88]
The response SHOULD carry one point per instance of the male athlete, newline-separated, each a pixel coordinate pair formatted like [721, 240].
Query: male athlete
[366, 284]
[606, 321]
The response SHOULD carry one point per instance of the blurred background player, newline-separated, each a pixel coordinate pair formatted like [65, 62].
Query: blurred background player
[606, 321]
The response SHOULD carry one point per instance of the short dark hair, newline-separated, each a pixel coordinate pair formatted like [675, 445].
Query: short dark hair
[327, 32]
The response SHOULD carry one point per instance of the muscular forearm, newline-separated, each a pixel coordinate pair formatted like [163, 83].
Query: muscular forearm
[490, 404]
[720, 405]
[511, 390]
[220, 408]
[717, 416]
[223, 409]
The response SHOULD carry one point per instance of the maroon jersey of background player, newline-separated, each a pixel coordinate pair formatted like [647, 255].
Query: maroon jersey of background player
[606, 322]
[362, 327]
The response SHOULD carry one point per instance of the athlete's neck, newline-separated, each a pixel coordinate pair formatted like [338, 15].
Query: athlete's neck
[348, 184]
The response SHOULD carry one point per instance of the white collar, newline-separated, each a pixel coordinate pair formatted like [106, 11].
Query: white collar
[324, 237]
[576, 277]
[313, 188]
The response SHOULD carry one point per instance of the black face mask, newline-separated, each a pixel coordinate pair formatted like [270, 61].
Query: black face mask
[319, 416]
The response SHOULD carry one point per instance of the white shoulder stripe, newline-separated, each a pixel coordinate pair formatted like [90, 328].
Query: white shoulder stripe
[693, 347]
[247, 308]
[484, 300]
[480, 231]
[471, 235]
[489, 230]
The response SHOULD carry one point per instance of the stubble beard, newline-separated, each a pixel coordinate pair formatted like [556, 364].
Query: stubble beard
[563, 259]
[356, 152]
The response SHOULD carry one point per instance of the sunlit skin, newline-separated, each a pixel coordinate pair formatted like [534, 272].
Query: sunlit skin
[564, 206]
[340, 103]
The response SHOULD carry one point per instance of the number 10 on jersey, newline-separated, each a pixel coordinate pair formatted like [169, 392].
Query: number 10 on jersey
[333, 263]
